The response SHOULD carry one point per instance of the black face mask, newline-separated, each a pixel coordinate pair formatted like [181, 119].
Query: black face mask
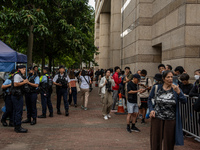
[30, 74]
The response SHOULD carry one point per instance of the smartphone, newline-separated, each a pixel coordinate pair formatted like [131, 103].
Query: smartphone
[175, 80]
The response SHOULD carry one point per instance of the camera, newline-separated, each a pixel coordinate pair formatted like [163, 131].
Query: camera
[108, 86]
[26, 88]
[63, 82]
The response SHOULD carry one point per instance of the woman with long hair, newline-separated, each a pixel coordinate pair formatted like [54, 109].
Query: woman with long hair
[73, 94]
[85, 85]
[166, 126]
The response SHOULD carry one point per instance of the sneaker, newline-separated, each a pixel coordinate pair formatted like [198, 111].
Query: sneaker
[113, 110]
[105, 117]
[128, 129]
[85, 108]
[75, 105]
[82, 106]
[109, 116]
[135, 129]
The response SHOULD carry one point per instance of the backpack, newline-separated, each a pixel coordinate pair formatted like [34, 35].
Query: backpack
[49, 83]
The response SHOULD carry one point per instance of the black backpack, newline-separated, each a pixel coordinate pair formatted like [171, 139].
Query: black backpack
[49, 83]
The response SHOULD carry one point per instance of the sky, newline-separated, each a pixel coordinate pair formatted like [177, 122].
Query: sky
[92, 3]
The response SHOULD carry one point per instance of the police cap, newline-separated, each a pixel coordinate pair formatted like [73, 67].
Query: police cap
[21, 66]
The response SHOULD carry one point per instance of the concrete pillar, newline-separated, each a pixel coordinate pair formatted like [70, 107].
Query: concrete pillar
[115, 31]
[96, 43]
[104, 40]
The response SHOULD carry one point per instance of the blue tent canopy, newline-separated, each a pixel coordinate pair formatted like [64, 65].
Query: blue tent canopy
[21, 58]
[8, 58]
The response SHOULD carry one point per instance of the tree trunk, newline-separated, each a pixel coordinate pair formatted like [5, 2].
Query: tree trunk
[30, 47]
[43, 55]
[50, 61]
[53, 66]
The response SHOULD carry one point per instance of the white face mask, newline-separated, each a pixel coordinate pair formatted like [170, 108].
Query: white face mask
[196, 77]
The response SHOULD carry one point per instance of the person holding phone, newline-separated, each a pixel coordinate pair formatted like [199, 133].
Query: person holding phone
[145, 84]
[166, 126]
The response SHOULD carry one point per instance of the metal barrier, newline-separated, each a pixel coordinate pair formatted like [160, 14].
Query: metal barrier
[190, 118]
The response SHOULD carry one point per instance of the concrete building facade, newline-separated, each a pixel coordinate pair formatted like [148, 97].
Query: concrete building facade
[144, 33]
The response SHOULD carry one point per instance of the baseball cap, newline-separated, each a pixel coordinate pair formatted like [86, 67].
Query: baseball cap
[137, 76]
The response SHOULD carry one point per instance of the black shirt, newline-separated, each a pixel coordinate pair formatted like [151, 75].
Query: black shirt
[165, 107]
[195, 90]
[132, 98]
[186, 88]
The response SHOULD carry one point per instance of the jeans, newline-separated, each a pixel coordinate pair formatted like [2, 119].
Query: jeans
[74, 95]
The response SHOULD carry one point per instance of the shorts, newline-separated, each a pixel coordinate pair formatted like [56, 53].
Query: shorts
[144, 103]
[132, 107]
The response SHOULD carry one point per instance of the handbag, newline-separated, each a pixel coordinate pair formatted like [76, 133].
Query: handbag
[153, 102]
[196, 105]
[90, 89]
[78, 87]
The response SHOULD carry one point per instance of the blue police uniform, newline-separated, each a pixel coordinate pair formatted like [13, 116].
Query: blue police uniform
[45, 97]
[8, 103]
[31, 99]
[62, 91]
[17, 99]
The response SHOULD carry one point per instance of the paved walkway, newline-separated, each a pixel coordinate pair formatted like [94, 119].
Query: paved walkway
[81, 130]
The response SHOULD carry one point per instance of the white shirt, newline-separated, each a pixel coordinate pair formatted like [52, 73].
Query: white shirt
[66, 78]
[18, 78]
[84, 83]
[103, 87]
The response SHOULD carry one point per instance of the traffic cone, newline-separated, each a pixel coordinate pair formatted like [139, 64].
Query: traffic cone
[96, 84]
[120, 110]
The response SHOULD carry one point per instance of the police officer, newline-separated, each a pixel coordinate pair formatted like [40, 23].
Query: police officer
[62, 82]
[17, 98]
[8, 102]
[46, 91]
[31, 97]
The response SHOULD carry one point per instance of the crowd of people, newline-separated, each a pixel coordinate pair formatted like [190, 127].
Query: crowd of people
[161, 97]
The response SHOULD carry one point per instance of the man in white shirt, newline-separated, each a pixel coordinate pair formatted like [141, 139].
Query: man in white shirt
[62, 83]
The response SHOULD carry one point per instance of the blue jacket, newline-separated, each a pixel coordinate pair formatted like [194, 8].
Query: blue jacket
[179, 98]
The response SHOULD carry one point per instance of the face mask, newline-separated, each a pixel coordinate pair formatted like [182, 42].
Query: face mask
[30, 74]
[142, 77]
[196, 77]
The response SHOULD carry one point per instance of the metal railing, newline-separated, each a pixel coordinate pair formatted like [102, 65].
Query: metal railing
[190, 118]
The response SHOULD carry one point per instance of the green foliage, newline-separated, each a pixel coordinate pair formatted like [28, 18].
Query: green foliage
[63, 28]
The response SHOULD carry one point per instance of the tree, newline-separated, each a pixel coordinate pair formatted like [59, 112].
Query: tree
[60, 30]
